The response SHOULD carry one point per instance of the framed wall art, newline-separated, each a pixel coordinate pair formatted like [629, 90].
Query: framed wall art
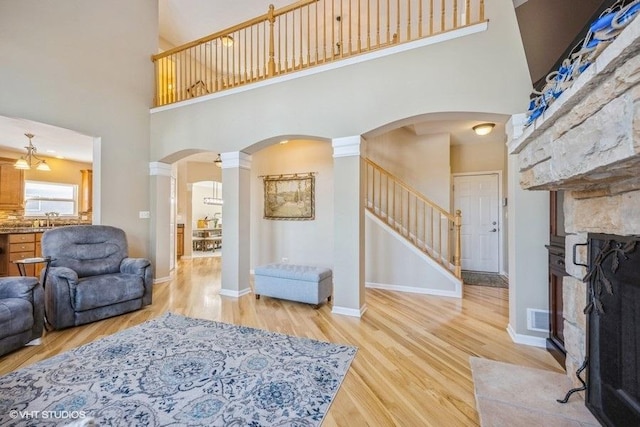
[289, 197]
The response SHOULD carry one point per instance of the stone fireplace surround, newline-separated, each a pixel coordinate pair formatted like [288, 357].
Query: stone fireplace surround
[588, 144]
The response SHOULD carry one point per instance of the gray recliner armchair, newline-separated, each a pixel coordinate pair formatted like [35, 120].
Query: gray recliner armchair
[21, 312]
[91, 276]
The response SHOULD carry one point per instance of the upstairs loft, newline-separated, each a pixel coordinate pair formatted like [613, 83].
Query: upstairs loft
[305, 34]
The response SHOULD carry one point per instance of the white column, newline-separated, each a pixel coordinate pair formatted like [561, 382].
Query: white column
[348, 262]
[236, 193]
[160, 220]
[528, 219]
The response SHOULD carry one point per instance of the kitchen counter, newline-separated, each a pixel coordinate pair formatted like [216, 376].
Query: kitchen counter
[21, 230]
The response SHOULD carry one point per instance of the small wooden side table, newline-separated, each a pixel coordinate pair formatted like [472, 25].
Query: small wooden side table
[22, 263]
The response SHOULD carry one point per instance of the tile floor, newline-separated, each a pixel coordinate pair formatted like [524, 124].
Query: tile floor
[511, 395]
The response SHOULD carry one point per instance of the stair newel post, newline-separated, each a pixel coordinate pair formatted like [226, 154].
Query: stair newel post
[272, 62]
[457, 223]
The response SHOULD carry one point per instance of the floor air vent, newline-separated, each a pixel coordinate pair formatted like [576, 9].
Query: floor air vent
[537, 320]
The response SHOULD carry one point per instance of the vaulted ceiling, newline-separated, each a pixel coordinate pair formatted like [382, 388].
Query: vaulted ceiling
[547, 27]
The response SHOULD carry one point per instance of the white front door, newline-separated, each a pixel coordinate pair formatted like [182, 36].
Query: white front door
[477, 196]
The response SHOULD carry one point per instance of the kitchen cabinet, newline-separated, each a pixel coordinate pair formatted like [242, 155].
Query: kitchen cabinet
[11, 185]
[19, 246]
[180, 241]
[86, 190]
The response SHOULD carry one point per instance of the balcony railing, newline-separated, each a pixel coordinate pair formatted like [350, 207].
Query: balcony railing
[305, 34]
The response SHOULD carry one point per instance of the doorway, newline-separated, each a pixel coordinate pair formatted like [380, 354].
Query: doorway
[478, 196]
[206, 210]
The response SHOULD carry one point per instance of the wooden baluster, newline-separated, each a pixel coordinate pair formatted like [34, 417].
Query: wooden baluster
[442, 19]
[216, 73]
[397, 33]
[415, 220]
[377, 23]
[379, 193]
[420, 18]
[293, 41]
[359, 45]
[467, 13]
[350, 26]
[409, 20]
[245, 62]
[430, 17]
[457, 223]
[481, 10]
[308, 36]
[455, 14]
[324, 31]
[368, 24]
[272, 61]
[252, 51]
[340, 29]
[433, 238]
[388, 23]
[301, 38]
[388, 190]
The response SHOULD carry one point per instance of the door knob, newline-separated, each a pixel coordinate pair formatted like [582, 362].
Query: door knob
[493, 231]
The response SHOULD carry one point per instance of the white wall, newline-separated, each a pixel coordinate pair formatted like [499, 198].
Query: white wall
[84, 65]
[528, 257]
[420, 161]
[484, 72]
[392, 263]
[305, 242]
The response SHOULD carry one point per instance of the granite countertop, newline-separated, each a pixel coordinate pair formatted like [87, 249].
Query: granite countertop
[23, 230]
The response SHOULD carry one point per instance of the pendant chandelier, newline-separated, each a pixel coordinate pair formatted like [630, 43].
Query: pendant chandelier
[31, 160]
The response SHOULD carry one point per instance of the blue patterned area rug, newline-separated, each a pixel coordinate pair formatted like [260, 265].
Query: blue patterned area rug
[180, 371]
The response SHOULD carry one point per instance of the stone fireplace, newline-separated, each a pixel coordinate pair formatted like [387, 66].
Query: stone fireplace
[587, 144]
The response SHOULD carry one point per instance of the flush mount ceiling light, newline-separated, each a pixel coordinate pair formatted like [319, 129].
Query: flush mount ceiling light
[483, 128]
[218, 161]
[227, 41]
[31, 160]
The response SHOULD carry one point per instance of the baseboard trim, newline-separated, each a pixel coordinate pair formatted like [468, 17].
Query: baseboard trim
[353, 312]
[234, 294]
[526, 339]
[162, 279]
[457, 293]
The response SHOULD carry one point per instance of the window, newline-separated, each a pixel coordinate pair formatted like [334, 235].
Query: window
[42, 197]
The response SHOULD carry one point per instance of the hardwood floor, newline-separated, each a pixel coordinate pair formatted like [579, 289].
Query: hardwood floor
[412, 366]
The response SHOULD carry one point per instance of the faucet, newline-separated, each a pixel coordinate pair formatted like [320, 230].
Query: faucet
[49, 216]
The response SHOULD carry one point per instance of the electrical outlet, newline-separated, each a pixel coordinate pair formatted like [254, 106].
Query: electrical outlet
[285, 260]
[145, 214]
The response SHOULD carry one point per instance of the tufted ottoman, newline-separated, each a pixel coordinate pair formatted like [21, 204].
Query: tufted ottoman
[301, 283]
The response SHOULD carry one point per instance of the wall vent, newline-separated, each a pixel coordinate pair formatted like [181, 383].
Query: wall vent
[537, 320]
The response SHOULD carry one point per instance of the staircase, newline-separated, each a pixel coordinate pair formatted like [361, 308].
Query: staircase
[425, 225]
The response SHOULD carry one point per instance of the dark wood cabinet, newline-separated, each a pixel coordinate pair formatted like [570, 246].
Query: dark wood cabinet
[556, 247]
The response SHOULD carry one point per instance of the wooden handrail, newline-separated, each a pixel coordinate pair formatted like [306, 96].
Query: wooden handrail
[248, 23]
[409, 188]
